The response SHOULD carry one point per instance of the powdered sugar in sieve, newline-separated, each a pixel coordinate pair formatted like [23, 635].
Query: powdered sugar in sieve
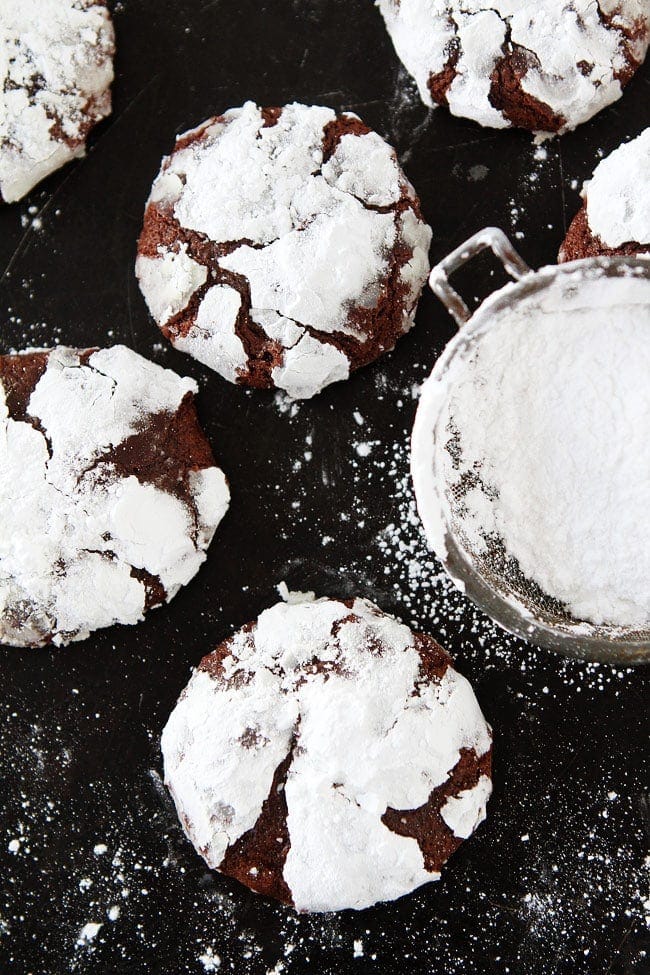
[531, 450]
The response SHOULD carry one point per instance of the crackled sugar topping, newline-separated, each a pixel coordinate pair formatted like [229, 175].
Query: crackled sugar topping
[618, 195]
[545, 66]
[328, 756]
[109, 496]
[55, 72]
[283, 247]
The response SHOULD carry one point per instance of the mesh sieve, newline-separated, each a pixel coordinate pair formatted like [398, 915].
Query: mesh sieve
[473, 552]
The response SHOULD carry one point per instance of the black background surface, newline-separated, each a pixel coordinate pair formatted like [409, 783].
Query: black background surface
[553, 881]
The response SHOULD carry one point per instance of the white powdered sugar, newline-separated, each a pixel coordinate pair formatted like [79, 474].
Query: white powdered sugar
[462, 813]
[207, 344]
[78, 531]
[310, 237]
[170, 281]
[345, 245]
[339, 691]
[575, 56]
[309, 366]
[618, 195]
[55, 74]
[533, 430]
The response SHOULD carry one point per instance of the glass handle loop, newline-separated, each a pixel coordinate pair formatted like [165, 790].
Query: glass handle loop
[498, 243]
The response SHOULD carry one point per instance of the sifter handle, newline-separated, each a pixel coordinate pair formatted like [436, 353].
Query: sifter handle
[500, 246]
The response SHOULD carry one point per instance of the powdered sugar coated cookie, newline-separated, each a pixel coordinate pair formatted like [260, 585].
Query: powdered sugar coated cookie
[283, 247]
[544, 66]
[56, 67]
[109, 494]
[615, 216]
[327, 756]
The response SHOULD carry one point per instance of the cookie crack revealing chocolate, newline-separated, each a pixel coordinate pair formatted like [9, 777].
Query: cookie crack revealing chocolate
[267, 844]
[449, 815]
[54, 85]
[109, 493]
[327, 756]
[306, 266]
[164, 451]
[546, 67]
[507, 92]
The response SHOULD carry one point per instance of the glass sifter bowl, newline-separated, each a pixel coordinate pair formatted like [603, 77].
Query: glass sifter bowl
[466, 517]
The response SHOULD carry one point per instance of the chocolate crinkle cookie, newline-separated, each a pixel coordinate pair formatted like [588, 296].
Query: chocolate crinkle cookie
[327, 756]
[109, 493]
[283, 247]
[56, 68]
[542, 65]
[615, 216]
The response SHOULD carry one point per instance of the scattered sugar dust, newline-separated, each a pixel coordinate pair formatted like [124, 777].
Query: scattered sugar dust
[211, 962]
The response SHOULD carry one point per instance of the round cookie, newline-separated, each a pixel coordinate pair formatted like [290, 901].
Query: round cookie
[56, 68]
[545, 66]
[109, 493]
[283, 247]
[615, 216]
[327, 756]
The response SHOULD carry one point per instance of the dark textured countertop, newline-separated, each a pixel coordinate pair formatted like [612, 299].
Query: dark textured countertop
[553, 882]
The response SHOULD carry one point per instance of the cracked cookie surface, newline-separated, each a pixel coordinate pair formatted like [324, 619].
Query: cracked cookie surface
[283, 247]
[540, 65]
[56, 68]
[109, 493]
[614, 219]
[327, 756]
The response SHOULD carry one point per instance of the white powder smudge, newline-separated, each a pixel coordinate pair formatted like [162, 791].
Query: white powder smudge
[646, 900]
[89, 932]
[478, 173]
[363, 449]
[210, 961]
